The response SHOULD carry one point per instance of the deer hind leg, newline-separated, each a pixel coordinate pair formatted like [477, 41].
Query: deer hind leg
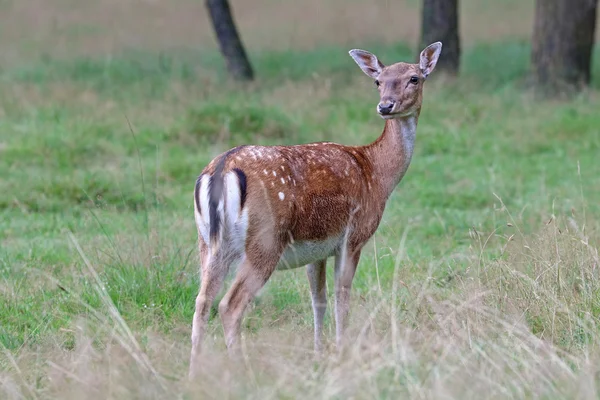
[213, 271]
[317, 279]
[252, 275]
[345, 268]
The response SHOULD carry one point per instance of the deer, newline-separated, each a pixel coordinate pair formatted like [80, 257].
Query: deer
[268, 208]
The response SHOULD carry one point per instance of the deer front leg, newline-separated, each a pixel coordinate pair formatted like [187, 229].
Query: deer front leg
[317, 279]
[213, 274]
[345, 267]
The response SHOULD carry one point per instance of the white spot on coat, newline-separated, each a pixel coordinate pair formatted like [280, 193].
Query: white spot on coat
[281, 196]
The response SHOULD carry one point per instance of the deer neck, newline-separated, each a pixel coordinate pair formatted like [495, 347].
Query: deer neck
[392, 152]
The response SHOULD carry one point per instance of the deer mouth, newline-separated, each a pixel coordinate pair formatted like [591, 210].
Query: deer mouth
[391, 115]
[396, 115]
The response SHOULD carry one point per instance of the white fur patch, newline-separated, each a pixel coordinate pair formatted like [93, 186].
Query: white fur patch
[203, 217]
[232, 197]
[281, 196]
[237, 235]
[299, 254]
[409, 129]
[236, 219]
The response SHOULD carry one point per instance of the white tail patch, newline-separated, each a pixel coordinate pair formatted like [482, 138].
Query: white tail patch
[234, 221]
[202, 215]
[233, 197]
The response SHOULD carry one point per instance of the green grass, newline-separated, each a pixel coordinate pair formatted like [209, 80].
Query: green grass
[488, 154]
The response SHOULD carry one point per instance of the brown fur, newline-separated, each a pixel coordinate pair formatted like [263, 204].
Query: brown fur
[314, 192]
[321, 183]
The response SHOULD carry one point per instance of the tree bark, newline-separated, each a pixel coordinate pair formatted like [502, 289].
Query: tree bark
[563, 37]
[440, 23]
[229, 40]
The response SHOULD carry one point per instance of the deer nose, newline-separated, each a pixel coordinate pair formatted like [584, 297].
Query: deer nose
[385, 107]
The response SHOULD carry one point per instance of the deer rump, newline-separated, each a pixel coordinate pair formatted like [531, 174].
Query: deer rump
[222, 222]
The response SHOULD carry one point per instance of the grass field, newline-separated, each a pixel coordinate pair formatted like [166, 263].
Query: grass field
[481, 282]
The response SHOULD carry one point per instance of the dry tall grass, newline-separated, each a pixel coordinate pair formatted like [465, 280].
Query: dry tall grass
[524, 326]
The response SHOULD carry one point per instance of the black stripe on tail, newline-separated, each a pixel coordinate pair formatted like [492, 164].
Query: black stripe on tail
[215, 193]
[197, 193]
[243, 185]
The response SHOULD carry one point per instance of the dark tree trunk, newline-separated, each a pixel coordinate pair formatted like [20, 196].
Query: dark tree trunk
[229, 41]
[563, 37]
[440, 23]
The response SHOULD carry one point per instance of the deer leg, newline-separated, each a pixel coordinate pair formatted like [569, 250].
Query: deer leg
[345, 267]
[251, 277]
[317, 279]
[213, 274]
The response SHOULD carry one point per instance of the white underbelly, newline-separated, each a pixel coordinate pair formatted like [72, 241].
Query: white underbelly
[301, 253]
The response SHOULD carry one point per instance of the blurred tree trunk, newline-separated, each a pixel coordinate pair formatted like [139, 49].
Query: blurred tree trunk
[440, 23]
[229, 41]
[563, 37]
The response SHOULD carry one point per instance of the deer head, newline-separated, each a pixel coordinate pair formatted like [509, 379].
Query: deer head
[400, 85]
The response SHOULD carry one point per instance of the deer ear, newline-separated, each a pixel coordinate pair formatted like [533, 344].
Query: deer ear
[369, 64]
[429, 57]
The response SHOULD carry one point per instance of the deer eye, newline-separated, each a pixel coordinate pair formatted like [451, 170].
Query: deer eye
[377, 83]
[414, 80]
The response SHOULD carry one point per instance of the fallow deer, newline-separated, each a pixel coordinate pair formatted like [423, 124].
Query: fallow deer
[281, 207]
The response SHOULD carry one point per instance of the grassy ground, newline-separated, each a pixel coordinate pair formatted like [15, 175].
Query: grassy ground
[483, 276]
